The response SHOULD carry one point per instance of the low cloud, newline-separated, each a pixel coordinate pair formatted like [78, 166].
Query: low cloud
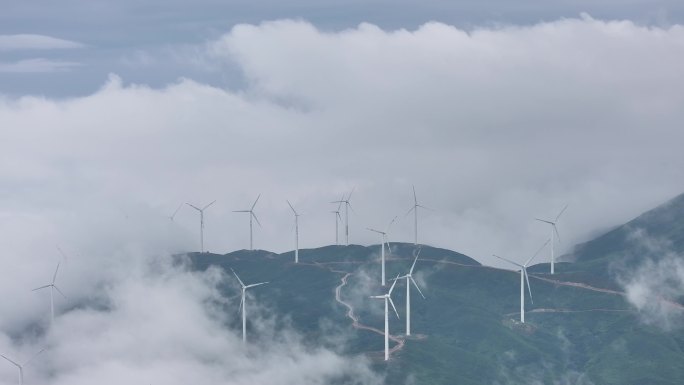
[35, 42]
[38, 65]
[654, 282]
[134, 314]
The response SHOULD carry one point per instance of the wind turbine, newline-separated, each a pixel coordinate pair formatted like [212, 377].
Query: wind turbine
[554, 231]
[387, 297]
[175, 212]
[52, 287]
[415, 214]
[383, 241]
[243, 304]
[347, 205]
[21, 366]
[201, 211]
[338, 218]
[523, 278]
[409, 279]
[296, 232]
[251, 216]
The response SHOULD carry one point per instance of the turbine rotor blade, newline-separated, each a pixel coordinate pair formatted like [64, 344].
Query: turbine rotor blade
[242, 299]
[561, 213]
[375, 231]
[255, 202]
[205, 207]
[508, 260]
[413, 265]
[393, 307]
[556, 231]
[350, 193]
[54, 277]
[538, 251]
[59, 291]
[255, 218]
[238, 278]
[528, 283]
[42, 287]
[543, 220]
[290, 204]
[34, 356]
[176, 212]
[392, 287]
[411, 209]
[19, 366]
[194, 207]
[416, 285]
[255, 284]
[390, 224]
[377, 296]
[415, 198]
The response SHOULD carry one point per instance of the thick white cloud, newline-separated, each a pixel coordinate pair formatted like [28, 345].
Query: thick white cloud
[493, 126]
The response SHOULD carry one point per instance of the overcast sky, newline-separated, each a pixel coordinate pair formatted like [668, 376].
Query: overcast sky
[113, 114]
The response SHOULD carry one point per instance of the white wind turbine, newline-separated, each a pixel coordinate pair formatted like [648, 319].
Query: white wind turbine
[243, 304]
[201, 211]
[554, 231]
[415, 214]
[409, 280]
[347, 205]
[523, 279]
[338, 218]
[383, 241]
[296, 232]
[21, 366]
[52, 287]
[387, 297]
[251, 217]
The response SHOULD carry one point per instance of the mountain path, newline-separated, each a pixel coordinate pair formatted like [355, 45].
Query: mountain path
[399, 342]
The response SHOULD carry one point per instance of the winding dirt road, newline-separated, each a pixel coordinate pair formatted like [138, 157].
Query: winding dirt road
[399, 342]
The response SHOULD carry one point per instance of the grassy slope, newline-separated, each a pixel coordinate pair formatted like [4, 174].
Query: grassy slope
[469, 319]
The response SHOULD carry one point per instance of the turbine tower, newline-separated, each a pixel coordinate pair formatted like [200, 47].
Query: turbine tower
[52, 287]
[338, 218]
[243, 304]
[347, 205]
[387, 297]
[383, 241]
[415, 214]
[523, 279]
[201, 211]
[409, 280]
[554, 231]
[251, 225]
[21, 366]
[296, 232]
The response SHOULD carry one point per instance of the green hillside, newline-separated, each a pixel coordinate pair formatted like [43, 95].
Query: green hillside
[579, 330]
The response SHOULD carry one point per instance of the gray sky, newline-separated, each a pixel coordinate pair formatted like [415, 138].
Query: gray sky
[115, 34]
[113, 115]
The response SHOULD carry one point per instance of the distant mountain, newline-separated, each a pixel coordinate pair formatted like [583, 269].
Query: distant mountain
[580, 329]
[663, 224]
